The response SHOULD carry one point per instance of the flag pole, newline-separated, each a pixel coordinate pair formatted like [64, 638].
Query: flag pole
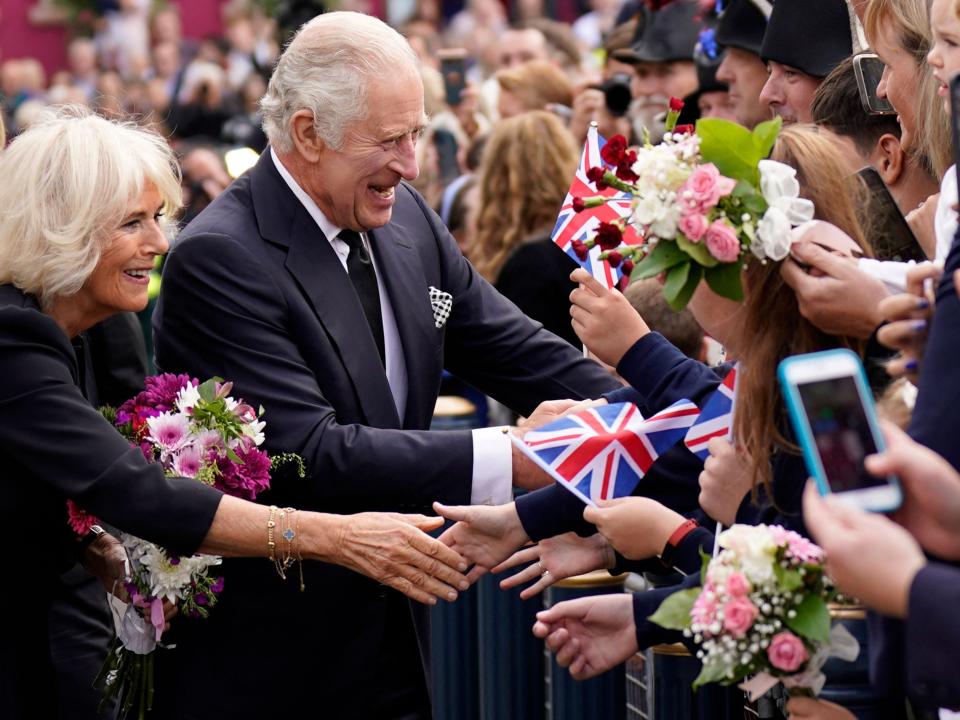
[733, 410]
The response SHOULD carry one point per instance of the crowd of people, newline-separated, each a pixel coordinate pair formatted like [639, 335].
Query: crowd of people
[396, 226]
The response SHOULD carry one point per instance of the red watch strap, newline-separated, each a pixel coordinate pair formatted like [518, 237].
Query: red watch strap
[682, 531]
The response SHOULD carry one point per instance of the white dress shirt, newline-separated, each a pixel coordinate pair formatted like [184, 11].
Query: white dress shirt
[492, 461]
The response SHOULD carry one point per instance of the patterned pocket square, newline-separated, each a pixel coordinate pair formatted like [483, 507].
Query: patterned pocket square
[442, 304]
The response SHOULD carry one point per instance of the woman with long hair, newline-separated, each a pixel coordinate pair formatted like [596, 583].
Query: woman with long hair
[526, 172]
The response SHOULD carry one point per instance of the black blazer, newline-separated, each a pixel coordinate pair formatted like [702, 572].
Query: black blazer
[54, 446]
[254, 292]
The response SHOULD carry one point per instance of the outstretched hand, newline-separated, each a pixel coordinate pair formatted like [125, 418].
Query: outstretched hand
[604, 319]
[637, 527]
[485, 535]
[553, 559]
[395, 550]
[725, 481]
[589, 635]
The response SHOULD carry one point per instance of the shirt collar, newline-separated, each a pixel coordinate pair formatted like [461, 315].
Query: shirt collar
[326, 227]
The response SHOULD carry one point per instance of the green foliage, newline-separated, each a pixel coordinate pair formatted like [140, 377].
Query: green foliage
[710, 673]
[788, 579]
[735, 150]
[682, 281]
[812, 620]
[664, 256]
[698, 251]
[674, 612]
[724, 280]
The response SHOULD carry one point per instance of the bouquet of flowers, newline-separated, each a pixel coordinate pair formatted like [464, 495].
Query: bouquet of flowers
[762, 612]
[194, 430]
[703, 199]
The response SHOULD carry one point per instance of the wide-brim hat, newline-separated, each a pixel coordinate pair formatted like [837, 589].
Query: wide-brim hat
[810, 35]
[664, 35]
[743, 23]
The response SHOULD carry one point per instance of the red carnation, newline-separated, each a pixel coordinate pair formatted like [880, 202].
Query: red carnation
[595, 175]
[580, 249]
[578, 205]
[684, 130]
[625, 167]
[627, 267]
[614, 257]
[623, 282]
[676, 104]
[609, 236]
[613, 151]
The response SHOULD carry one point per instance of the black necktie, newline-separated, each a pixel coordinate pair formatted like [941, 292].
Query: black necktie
[364, 279]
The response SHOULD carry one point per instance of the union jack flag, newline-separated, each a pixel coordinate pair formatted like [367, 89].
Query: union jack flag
[572, 225]
[716, 419]
[603, 452]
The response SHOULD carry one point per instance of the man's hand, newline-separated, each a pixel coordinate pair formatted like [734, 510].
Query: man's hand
[833, 294]
[637, 527]
[724, 482]
[908, 318]
[485, 535]
[106, 559]
[931, 492]
[604, 319]
[869, 556]
[804, 708]
[395, 550]
[589, 635]
[526, 473]
[550, 410]
[556, 558]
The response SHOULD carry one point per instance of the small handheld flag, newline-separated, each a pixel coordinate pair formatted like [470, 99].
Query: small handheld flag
[716, 418]
[572, 225]
[603, 452]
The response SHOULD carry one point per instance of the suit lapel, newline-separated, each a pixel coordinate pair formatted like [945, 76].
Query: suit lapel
[402, 273]
[317, 270]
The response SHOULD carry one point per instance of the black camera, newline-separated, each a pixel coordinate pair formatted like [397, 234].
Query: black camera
[616, 94]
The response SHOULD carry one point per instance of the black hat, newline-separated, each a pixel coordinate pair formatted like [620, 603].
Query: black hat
[811, 35]
[743, 23]
[665, 35]
[707, 56]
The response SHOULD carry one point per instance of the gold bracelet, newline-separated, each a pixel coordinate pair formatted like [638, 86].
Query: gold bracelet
[271, 524]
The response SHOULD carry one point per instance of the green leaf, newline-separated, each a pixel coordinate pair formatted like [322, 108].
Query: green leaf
[710, 673]
[676, 280]
[765, 135]
[812, 620]
[679, 297]
[731, 148]
[705, 559]
[664, 256]
[787, 579]
[674, 612]
[208, 390]
[698, 251]
[724, 280]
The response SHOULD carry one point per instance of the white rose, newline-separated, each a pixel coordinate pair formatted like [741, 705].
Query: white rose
[777, 180]
[665, 226]
[647, 210]
[774, 236]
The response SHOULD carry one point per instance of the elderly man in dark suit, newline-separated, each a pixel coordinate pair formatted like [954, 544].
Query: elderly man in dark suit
[326, 289]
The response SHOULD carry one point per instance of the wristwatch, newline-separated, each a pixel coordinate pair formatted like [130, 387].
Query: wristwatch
[93, 533]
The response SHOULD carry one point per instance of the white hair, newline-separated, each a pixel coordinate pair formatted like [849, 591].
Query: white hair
[326, 69]
[68, 183]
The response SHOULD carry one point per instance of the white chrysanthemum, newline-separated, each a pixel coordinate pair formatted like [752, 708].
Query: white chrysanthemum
[187, 398]
[167, 579]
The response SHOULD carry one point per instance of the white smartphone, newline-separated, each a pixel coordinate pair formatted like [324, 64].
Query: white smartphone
[832, 411]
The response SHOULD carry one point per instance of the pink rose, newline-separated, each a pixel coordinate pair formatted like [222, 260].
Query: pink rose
[786, 652]
[722, 241]
[704, 188]
[738, 616]
[693, 224]
[704, 611]
[738, 585]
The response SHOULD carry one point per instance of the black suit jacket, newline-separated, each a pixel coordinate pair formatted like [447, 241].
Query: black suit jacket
[54, 446]
[255, 293]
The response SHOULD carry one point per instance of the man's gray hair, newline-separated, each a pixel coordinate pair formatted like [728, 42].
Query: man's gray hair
[326, 69]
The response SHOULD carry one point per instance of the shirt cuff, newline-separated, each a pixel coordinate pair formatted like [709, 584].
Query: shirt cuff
[492, 467]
